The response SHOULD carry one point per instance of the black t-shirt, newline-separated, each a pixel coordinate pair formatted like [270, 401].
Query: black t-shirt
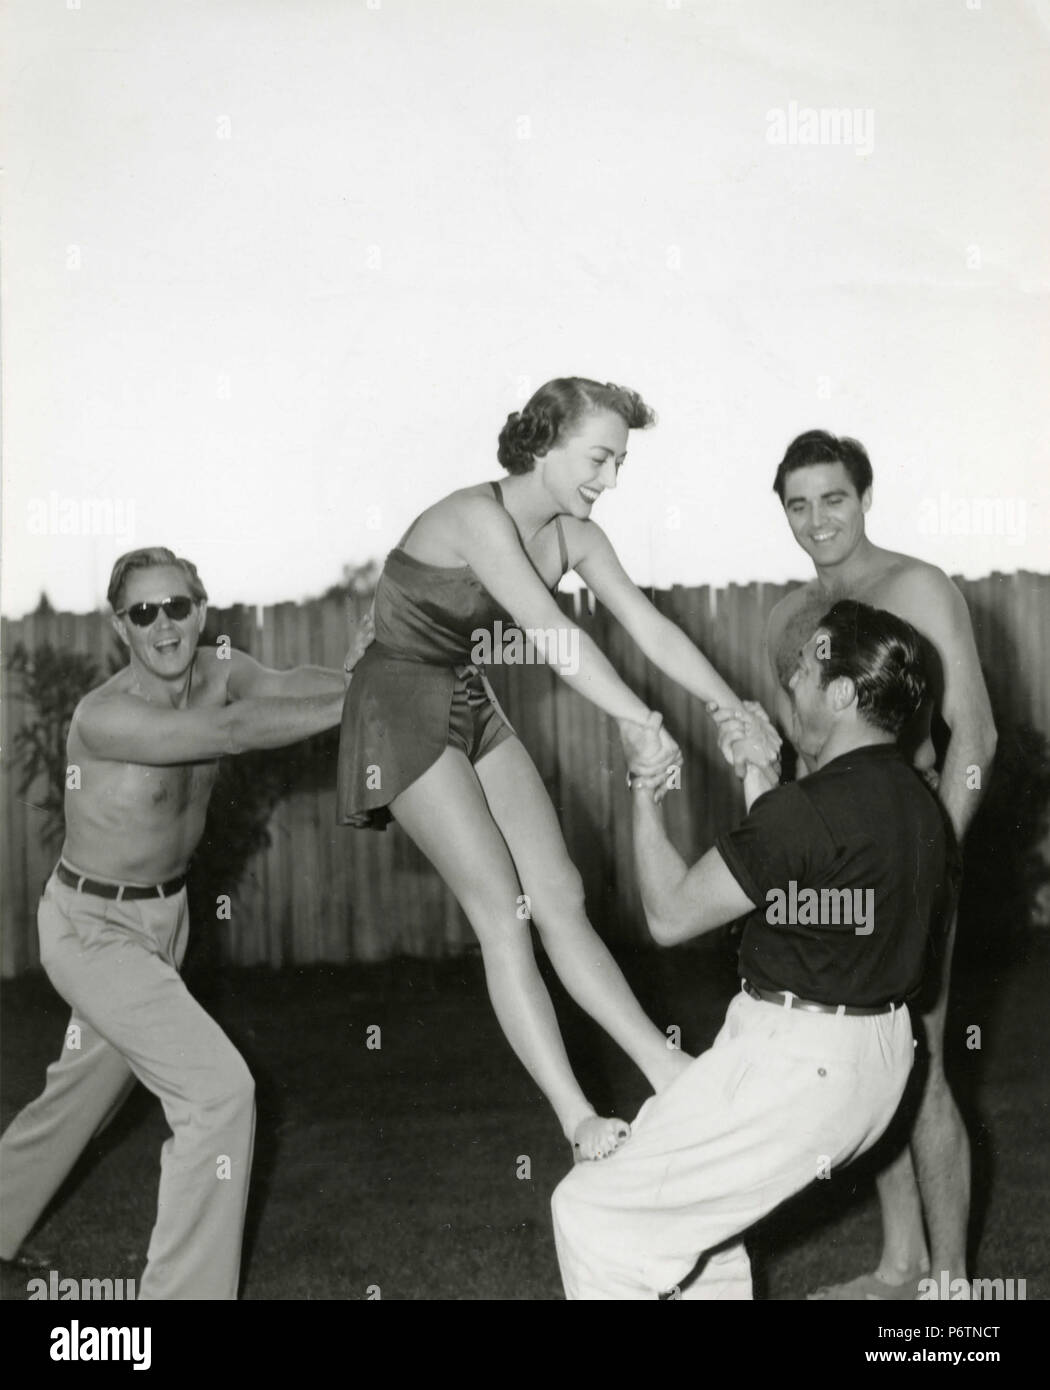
[851, 869]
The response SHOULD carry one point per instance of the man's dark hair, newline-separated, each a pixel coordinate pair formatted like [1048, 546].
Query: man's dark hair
[151, 557]
[817, 446]
[882, 655]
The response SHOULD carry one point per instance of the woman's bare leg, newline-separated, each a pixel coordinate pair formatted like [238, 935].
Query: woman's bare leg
[522, 809]
[445, 813]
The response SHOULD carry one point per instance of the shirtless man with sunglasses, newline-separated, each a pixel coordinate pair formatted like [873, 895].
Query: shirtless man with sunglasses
[113, 923]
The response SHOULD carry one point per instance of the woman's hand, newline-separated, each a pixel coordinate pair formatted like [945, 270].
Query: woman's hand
[649, 749]
[653, 757]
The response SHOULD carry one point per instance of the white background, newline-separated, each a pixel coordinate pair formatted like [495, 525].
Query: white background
[275, 272]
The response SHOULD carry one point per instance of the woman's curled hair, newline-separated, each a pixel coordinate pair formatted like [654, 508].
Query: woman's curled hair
[555, 409]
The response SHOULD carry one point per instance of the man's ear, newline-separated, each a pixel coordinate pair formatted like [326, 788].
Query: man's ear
[843, 693]
[118, 627]
[202, 615]
[865, 499]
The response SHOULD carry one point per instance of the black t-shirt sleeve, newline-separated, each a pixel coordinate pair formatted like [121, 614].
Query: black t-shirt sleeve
[780, 840]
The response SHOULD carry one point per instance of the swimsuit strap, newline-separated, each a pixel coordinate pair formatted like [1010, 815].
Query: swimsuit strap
[563, 549]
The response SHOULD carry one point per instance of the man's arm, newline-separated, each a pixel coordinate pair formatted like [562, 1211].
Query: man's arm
[929, 600]
[123, 728]
[248, 679]
[680, 902]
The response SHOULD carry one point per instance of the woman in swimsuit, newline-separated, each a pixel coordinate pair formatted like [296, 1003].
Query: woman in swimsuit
[424, 741]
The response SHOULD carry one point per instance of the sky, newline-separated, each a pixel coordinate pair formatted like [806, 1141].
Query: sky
[274, 273]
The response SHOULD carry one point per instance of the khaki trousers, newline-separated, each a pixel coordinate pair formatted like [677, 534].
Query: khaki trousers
[117, 966]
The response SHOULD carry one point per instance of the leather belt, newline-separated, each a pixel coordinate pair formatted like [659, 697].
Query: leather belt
[787, 1000]
[122, 892]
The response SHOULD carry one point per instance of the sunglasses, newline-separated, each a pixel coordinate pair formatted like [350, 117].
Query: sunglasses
[143, 614]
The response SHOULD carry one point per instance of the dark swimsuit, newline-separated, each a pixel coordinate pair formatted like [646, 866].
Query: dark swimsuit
[417, 689]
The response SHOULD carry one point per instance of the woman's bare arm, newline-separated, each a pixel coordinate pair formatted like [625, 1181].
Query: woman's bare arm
[662, 641]
[489, 543]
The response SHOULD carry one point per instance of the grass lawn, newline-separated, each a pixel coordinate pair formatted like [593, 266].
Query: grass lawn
[399, 1166]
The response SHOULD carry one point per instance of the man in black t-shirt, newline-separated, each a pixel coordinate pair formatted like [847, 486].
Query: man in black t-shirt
[841, 878]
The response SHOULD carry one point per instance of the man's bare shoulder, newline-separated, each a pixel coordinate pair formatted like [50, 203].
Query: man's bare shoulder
[212, 669]
[99, 704]
[118, 684]
[910, 587]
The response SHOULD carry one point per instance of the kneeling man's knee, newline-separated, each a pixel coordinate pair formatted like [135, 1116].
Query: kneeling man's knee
[571, 1207]
[563, 1202]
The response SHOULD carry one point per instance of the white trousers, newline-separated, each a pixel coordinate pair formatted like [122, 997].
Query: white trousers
[781, 1098]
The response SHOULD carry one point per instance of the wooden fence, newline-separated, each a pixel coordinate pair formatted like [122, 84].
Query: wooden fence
[321, 892]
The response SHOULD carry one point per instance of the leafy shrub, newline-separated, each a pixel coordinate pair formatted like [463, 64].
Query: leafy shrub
[53, 682]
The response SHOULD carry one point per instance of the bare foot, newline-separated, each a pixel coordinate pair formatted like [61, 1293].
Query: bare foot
[596, 1137]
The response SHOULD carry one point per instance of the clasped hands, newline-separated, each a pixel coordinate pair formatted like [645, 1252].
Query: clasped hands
[652, 754]
[746, 738]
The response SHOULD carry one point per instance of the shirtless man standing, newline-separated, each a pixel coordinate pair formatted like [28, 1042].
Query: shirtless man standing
[824, 485]
[113, 923]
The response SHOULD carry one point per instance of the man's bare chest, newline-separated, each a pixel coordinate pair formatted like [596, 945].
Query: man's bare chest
[137, 795]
